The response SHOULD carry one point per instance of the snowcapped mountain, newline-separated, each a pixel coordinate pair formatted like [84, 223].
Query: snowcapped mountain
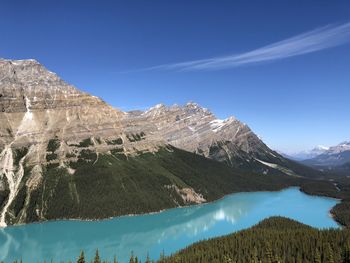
[335, 156]
[308, 154]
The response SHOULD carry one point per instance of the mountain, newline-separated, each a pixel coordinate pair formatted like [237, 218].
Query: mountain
[196, 129]
[67, 154]
[335, 156]
[309, 154]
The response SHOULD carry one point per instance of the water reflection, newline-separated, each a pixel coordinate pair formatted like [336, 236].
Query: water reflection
[168, 231]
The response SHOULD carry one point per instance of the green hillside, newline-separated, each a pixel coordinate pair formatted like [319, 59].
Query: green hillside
[276, 239]
[107, 185]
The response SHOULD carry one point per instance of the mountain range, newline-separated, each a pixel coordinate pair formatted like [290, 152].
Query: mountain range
[336, 159]
[67, 154]
[307, 154]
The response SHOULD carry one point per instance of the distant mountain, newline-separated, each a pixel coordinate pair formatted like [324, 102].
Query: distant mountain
[67, 154]
[304, 155]
[335, 156]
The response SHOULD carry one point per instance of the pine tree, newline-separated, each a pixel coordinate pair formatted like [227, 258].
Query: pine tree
[255, 258]
[227, 259]
[277, 259]
[317, 258]
[115, 259]
[148, 260]
[346, 253]
[97, 258]
[81, 258]
[268, 253]
[162, 256]
[177, 259]
[329, 254]
[132, 259]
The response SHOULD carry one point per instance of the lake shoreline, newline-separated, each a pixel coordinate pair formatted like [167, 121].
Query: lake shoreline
[186, 206]
[170, 231]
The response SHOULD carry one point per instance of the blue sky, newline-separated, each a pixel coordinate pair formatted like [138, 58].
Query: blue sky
[110, 49]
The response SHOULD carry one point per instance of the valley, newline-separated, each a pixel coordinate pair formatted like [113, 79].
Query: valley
[174, 131]
[68, 155]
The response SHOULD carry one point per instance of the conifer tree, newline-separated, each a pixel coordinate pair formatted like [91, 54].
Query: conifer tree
[317, 258]
[268, 253]
[97, 258]
[132, 258]
[227, 259]
[162, 256]
[81, 258]
[346, 253]
[277, 259]
[329, 254]
[177, 259]
[255, 258]
[115, 259]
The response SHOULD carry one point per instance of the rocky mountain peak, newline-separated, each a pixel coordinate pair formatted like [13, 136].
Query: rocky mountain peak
[341, 147]
[24, 82]
[334, 156]
[190, 108]
[194, 128]
[26, 72]
[36, 105]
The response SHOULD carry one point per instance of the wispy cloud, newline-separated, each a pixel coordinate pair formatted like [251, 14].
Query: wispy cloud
[312, 41]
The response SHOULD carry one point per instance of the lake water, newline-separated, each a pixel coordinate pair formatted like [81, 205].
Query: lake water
[168, 231]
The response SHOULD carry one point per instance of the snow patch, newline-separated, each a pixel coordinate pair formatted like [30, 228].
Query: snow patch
[191, 129]
[155, 110]
[272, 165]
[279, 167]
[217, 125]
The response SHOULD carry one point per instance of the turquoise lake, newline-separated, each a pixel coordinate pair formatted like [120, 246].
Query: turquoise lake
[167, 231]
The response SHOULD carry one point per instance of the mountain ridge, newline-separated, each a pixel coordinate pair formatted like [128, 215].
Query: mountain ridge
[306, 154]
[56, 142]
[335, 156]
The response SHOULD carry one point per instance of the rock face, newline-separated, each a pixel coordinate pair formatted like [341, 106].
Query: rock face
[196, 129]
[36, 106]
[52, 134]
